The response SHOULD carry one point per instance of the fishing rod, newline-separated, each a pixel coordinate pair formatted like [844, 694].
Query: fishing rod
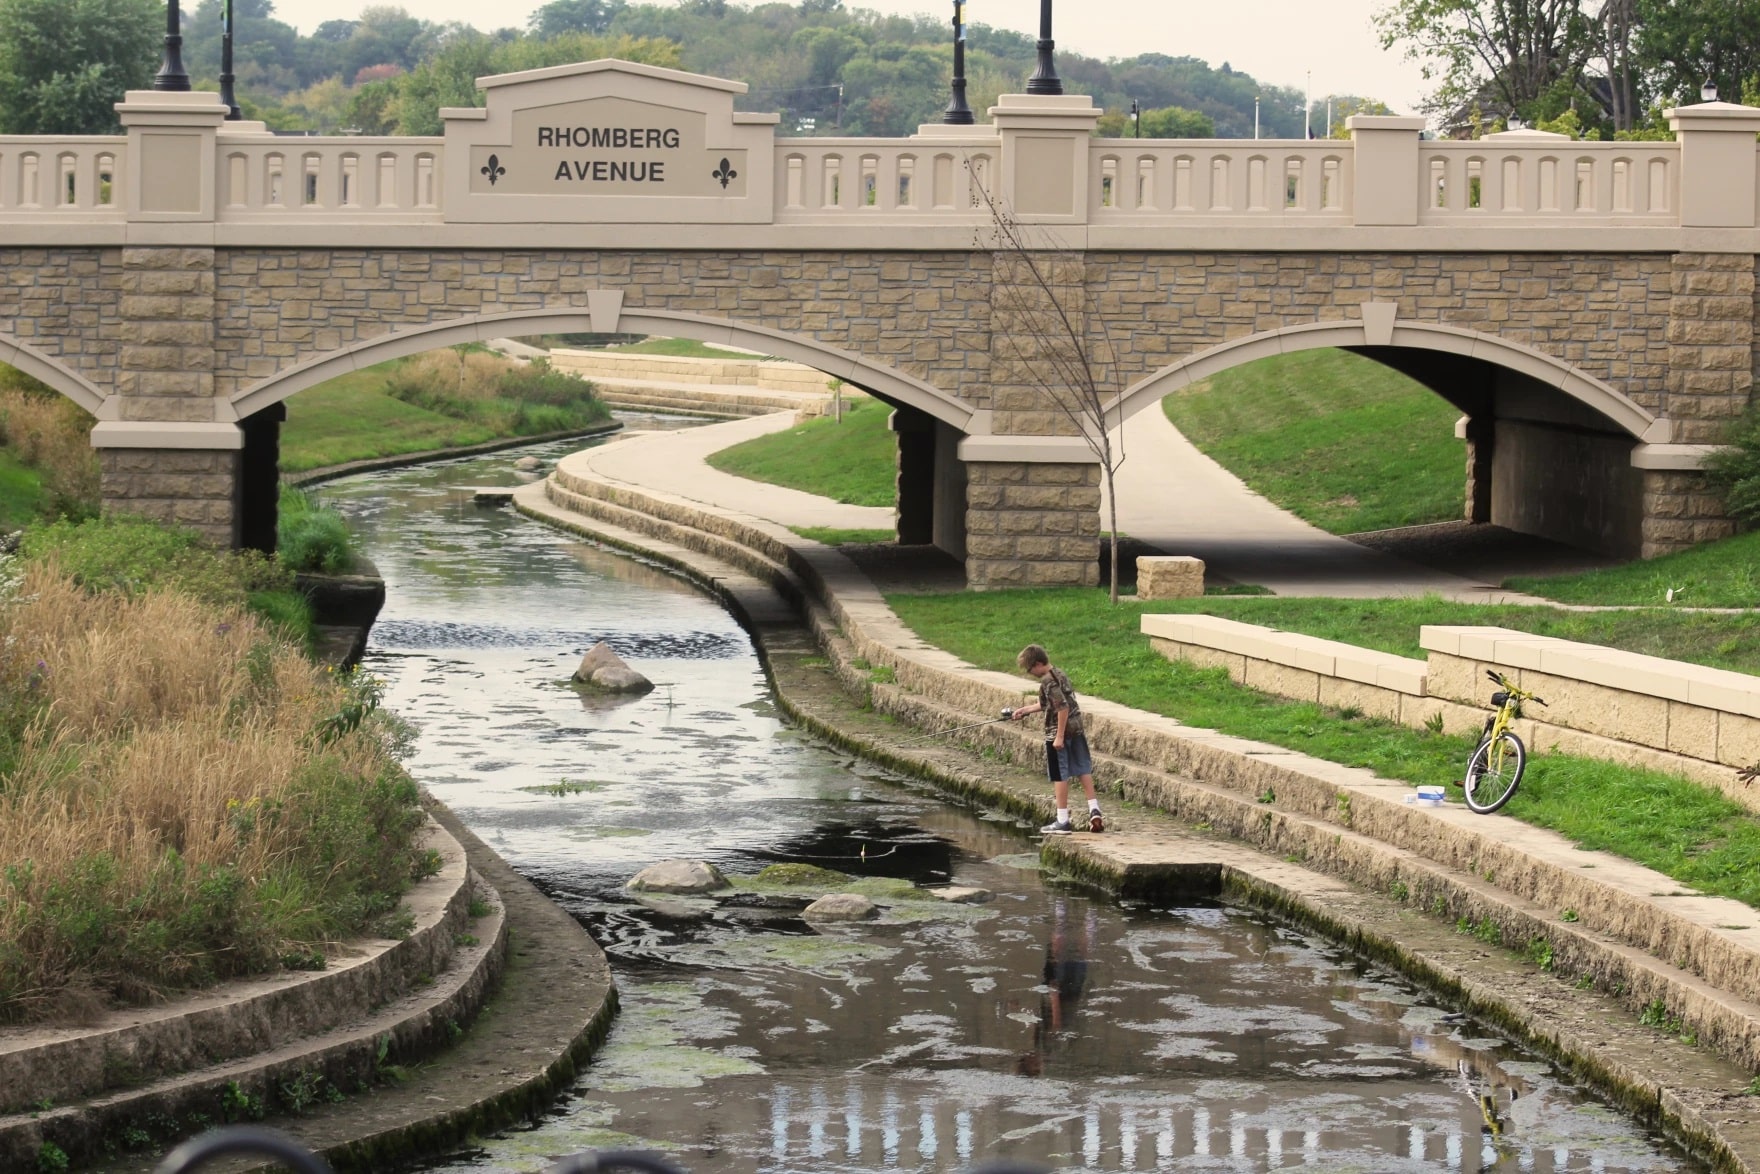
[1007, 716]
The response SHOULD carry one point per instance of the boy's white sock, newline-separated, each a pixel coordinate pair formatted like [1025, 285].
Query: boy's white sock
[1093, 805]
[1063, 815]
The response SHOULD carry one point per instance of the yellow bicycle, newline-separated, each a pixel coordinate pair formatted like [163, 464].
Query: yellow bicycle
[1495, 770]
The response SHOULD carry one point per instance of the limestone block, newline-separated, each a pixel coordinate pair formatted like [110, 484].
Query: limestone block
[1197, 654]
[1282, 680]
[1170, 577]
[1738, 740]
[1692, 730]
[1371, 700]
[1598, 709]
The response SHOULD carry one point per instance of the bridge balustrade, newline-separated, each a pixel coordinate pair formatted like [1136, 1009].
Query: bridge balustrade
[47, 179]
[1170, 180]
[1620, 183]
[306, 179]
[829, 180]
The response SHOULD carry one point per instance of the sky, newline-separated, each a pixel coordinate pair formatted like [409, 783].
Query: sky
[1331, 39]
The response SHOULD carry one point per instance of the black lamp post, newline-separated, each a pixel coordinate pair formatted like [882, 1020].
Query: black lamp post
[171, 75]
[1045, 79]
[958, 113]
[1137, 117]
[233, 113]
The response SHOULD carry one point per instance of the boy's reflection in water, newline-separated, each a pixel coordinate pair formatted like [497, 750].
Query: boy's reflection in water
[1065, 978]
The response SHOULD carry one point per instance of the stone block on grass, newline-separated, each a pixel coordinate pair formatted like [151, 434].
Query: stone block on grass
[1169, 577]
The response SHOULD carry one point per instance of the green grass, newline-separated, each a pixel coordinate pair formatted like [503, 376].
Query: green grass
[831, 536]
[353, 418]
[21, 492]
[1686, 831]
[1293, 428]
[1718, 574]
[853, 462]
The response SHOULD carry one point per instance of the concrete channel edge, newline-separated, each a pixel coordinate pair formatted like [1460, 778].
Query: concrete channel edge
[742, 560]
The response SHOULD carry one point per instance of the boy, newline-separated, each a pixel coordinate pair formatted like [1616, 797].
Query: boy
[1066, 742]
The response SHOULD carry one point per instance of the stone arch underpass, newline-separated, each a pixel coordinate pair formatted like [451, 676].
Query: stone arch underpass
[929, 423]
[1549, 448]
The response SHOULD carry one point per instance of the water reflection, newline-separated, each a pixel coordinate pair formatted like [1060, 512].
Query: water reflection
[1045, 1025]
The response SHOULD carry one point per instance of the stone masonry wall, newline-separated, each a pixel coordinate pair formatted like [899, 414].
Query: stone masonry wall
[925, 314]
[1608, 315]
[1032, 525]
[1710, 343]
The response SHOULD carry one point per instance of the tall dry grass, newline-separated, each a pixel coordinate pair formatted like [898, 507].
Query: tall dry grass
[53, 435]
[179, 801]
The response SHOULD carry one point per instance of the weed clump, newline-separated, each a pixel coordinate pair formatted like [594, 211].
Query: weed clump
[184, 797]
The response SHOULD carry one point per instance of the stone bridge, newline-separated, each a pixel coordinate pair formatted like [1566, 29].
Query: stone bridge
[1589, 307]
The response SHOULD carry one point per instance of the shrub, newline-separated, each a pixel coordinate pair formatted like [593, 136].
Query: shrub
[53, 435]
[1736, 469]
[184, 797]
[513, 398]
[311, 537]
[134, 555]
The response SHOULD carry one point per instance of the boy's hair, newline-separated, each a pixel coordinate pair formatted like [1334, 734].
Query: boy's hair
[1031, 655]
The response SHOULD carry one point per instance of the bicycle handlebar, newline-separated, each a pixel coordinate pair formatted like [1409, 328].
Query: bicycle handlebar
[1499, 679]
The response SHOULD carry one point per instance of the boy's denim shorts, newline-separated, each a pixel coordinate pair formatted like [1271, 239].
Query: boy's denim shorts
[1072, 762]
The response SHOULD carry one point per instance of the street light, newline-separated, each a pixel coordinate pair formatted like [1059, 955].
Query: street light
[171, 75]
[1708, 91]
[233, 113]
[1137, 117]
[1045, 79]
[958, 113]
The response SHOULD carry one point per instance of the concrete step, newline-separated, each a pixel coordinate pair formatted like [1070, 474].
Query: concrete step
[1626, 928]
[249, 1048]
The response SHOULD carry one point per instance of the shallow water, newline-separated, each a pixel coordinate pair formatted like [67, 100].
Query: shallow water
[1049, 1024]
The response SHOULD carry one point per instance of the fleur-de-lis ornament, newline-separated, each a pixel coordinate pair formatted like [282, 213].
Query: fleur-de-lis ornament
[494, 170]
[725, 173]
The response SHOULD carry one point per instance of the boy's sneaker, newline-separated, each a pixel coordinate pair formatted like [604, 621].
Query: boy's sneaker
[1062, 827]
[1095, 822]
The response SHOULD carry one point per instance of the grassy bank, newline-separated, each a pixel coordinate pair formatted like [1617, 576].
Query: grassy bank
[444, 399]
[1674, 826]
[854, 462]
[1718, 574]
[1337, 439]
[187, 798]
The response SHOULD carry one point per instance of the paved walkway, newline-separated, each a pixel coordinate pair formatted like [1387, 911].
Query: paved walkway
[676, 463]
[1173, 497]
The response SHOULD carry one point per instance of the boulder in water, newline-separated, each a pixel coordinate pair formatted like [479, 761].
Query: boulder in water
[604, 669]
[679, 877]
[963, 894]
[841, 907]
[528, 464]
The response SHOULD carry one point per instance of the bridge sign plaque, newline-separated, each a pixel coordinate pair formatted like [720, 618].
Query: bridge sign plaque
[608, 142]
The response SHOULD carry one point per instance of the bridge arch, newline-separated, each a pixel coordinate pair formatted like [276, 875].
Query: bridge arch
[1380, 340]
[886, 382]
[54, 374]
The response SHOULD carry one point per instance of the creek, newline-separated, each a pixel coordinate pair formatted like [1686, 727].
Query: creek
[1051, 1024]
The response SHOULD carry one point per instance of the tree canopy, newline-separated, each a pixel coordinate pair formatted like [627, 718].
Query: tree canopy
[1613, 64]
[64, 64]
[827, 67]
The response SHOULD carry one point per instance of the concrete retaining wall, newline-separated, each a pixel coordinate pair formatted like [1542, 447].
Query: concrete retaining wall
[1604, 703]
[753, 372]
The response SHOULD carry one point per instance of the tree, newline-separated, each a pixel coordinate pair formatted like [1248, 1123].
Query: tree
[64, 64]
[1504, 54]
[574, 16]
[1040, 289]
[1171, 122]
[1683, 44]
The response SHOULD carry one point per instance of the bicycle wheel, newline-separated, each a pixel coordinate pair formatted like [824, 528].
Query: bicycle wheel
[1495, 772]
